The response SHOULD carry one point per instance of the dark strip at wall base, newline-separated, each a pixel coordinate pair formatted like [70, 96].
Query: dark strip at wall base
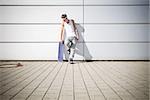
[75, 60]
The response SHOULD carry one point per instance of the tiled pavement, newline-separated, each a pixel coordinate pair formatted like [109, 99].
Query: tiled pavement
[98, 80]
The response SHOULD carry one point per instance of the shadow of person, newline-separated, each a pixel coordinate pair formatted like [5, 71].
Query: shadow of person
[81, 47]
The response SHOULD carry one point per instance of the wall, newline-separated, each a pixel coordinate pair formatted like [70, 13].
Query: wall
[110, 29]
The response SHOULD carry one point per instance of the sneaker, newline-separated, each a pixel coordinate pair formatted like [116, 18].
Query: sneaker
[70, 61]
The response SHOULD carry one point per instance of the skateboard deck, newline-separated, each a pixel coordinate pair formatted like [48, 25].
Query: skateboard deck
[60, 52]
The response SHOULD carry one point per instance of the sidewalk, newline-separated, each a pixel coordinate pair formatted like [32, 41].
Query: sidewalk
[98, 80]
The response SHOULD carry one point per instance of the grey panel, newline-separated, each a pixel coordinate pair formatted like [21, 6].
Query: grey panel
[35, 14]
[116, 14]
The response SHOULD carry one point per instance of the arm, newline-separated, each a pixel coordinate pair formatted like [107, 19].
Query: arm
[75, 30]
[62, 32]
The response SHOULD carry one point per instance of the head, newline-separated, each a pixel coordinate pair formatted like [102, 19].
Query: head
[64, 18]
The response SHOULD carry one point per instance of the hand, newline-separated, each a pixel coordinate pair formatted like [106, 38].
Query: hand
[77, 38]
[62, 41]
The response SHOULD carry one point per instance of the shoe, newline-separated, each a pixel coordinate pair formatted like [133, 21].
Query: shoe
[70, 60]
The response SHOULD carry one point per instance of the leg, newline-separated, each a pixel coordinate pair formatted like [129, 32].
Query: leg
[67, 44]
[72, 52]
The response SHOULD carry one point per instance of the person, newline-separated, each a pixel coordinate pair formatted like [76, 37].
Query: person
[69, 36]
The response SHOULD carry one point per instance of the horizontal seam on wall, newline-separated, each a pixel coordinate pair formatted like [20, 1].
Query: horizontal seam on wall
[78, 42]
[60, 23]
[80, 5]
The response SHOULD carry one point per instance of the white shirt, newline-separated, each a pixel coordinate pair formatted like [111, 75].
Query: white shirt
[69, 28]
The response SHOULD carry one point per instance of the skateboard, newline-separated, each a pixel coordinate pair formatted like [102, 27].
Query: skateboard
[60, 51]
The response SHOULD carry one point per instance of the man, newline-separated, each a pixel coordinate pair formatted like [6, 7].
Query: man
[71, 36]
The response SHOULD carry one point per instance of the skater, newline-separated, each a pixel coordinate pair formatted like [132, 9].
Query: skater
[71, 36]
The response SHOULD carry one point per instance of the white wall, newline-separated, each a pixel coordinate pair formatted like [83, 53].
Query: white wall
[110, 29]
